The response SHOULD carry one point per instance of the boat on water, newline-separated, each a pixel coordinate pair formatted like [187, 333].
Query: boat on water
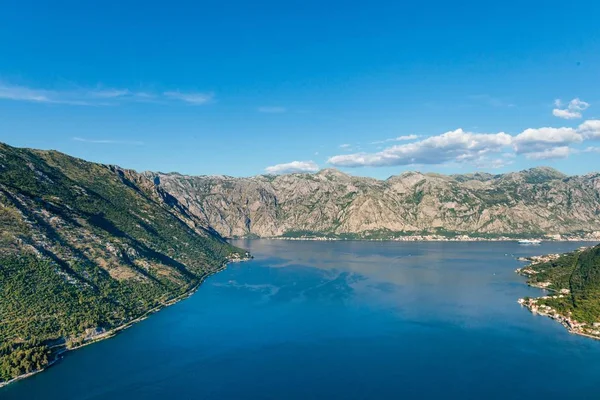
[529, 241]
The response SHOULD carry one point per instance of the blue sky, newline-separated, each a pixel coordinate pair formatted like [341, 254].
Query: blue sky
[240, 88]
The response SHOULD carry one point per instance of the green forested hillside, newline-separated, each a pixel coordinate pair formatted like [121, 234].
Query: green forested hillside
[577, 274]
[84, 248]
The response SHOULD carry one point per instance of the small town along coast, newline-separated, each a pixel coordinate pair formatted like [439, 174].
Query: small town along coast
[557, 296]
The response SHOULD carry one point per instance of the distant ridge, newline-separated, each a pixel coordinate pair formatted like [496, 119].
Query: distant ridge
[534, 202]
[540, 202]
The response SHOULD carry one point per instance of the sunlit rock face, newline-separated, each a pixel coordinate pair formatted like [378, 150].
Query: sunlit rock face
[535, 201]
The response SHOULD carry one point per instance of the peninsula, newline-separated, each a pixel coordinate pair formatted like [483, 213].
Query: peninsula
[573, 284]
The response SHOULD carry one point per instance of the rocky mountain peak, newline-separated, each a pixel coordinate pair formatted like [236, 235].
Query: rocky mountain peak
[332, 172]
[330, 202]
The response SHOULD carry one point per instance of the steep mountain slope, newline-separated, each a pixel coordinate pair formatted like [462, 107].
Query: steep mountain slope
[85, 248]
[537, 201]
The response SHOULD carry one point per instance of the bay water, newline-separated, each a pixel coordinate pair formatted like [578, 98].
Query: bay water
[347, 320]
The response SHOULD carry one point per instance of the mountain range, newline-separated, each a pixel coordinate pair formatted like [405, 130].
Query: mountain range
[87, 249]
[330, 203]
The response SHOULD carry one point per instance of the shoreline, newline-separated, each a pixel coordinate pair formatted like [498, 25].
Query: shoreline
[418, 239]
[537, 308]
[569, 325]
[62, 349]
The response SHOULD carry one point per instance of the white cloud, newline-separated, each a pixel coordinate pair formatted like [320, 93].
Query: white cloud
[492, 163]
[455, 145]
[272, 110]
[108, 141]
[23, 93]
[566, 114]
[573, 110]
[347, 147]
[536, 140]
[477, 149]
[578, 104]
[98, 96]
[292, 167]
[592, 149]
[144, 95]
[190, 97]
[121, 94]
[555, 152]
[11, 92]
[404, 138]
[110, 93]
[590, 129]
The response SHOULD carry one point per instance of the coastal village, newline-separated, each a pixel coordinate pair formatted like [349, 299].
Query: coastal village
[375, 236]
[580, 328]
[537, 306]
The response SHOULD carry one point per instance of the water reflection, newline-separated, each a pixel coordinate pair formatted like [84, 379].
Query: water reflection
[341, 320]
[464, 281]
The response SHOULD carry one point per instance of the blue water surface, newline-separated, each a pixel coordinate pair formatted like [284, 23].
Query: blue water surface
[342, 320]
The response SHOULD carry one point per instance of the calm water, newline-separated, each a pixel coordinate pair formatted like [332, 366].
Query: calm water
[341, 320]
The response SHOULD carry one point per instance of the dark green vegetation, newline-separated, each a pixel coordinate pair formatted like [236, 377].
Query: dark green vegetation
[579, 272]
[85, 248]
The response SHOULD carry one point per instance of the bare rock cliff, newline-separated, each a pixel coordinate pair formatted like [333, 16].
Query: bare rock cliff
[535, 201]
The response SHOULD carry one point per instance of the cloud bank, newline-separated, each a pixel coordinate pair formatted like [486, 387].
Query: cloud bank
[461, 146]
[293, 167]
